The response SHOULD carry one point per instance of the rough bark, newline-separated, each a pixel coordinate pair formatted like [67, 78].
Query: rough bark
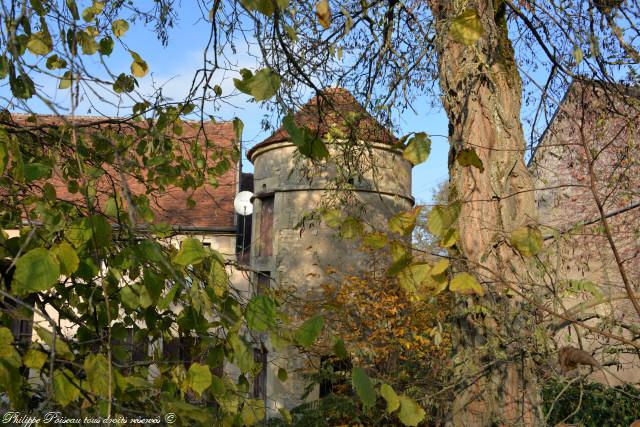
[481, 93]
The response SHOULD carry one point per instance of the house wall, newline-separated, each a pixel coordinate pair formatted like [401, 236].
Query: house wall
[306, 255]
[590, 126]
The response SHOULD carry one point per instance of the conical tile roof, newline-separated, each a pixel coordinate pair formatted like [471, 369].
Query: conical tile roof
[338, 110]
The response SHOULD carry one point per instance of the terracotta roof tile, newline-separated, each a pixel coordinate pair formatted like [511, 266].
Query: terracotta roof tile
[214, 204]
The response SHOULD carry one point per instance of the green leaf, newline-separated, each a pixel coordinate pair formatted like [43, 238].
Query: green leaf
[469, 157]
[218, 389]
[36, 171]
[411, 414]
[65, 80]
[340, 350]
[34, 359]
[412, 278]
[79, 233]
[262, 85]
[54, 62]
[73, 8]
[4, 66]
[265, 7]
[403, 223]
[4, 151]
[40, 43]
[466, 284]
[332, 218]
[261, 313]
[119, 27]
[8, 352]
[38, 7]
[440, 267]
[399, 265]
[199, 378]
[351, 227]
[450, 238]
[62, 349]
[527, 240]
[124, 83]
[323, 12]
[363, 386]
[306, 140]
[242, 356]
[238, 127]
[466, 28]
[105, 46]
[309, 331]
[96, 367]
[139, 67]
[37, 270]
[100, 230]
[87, 42]
[218, 278]
[63, 389]
[88, 14]
[286, 415]
[21, 86]
[130, 299]
[374, 240]
[6, 337]
[390, 396]
[282, 374]
[441, 218]
[418, 149]
[252, 412]
[191, 252]
[67, 258]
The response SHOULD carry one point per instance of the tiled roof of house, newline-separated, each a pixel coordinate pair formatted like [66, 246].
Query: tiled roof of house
[334, 109]
[213, 209]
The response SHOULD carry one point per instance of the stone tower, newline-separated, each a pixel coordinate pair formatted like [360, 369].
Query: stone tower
[296, 254]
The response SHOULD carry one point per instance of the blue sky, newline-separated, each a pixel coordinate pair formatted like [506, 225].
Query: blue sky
[176, 63]
[172, 68]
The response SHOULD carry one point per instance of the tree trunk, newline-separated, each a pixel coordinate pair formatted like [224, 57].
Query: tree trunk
[481, 92]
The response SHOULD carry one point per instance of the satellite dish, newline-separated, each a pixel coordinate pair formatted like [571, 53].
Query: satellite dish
[242, 203]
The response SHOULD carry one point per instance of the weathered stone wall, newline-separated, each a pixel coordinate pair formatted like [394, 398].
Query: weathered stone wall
[305, 253]
[601, 129]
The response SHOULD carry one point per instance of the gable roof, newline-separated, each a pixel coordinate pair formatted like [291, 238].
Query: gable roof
[602, 118]
[577, 87]
[333, 109]
[213, 211]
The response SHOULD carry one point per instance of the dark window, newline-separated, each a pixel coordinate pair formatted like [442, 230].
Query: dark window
[264, 282]
[185, 349]
[265, 243]
[260, 380]
[129, 349]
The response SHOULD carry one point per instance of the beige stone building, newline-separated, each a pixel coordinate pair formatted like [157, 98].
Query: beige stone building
[283, 245]
[587, 167]
[292, 248]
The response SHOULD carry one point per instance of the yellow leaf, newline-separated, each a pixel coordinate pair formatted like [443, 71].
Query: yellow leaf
[440, 267]
[466, 284]
[323, 13]
[527, 240]
[466, 28]
[404, 222]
